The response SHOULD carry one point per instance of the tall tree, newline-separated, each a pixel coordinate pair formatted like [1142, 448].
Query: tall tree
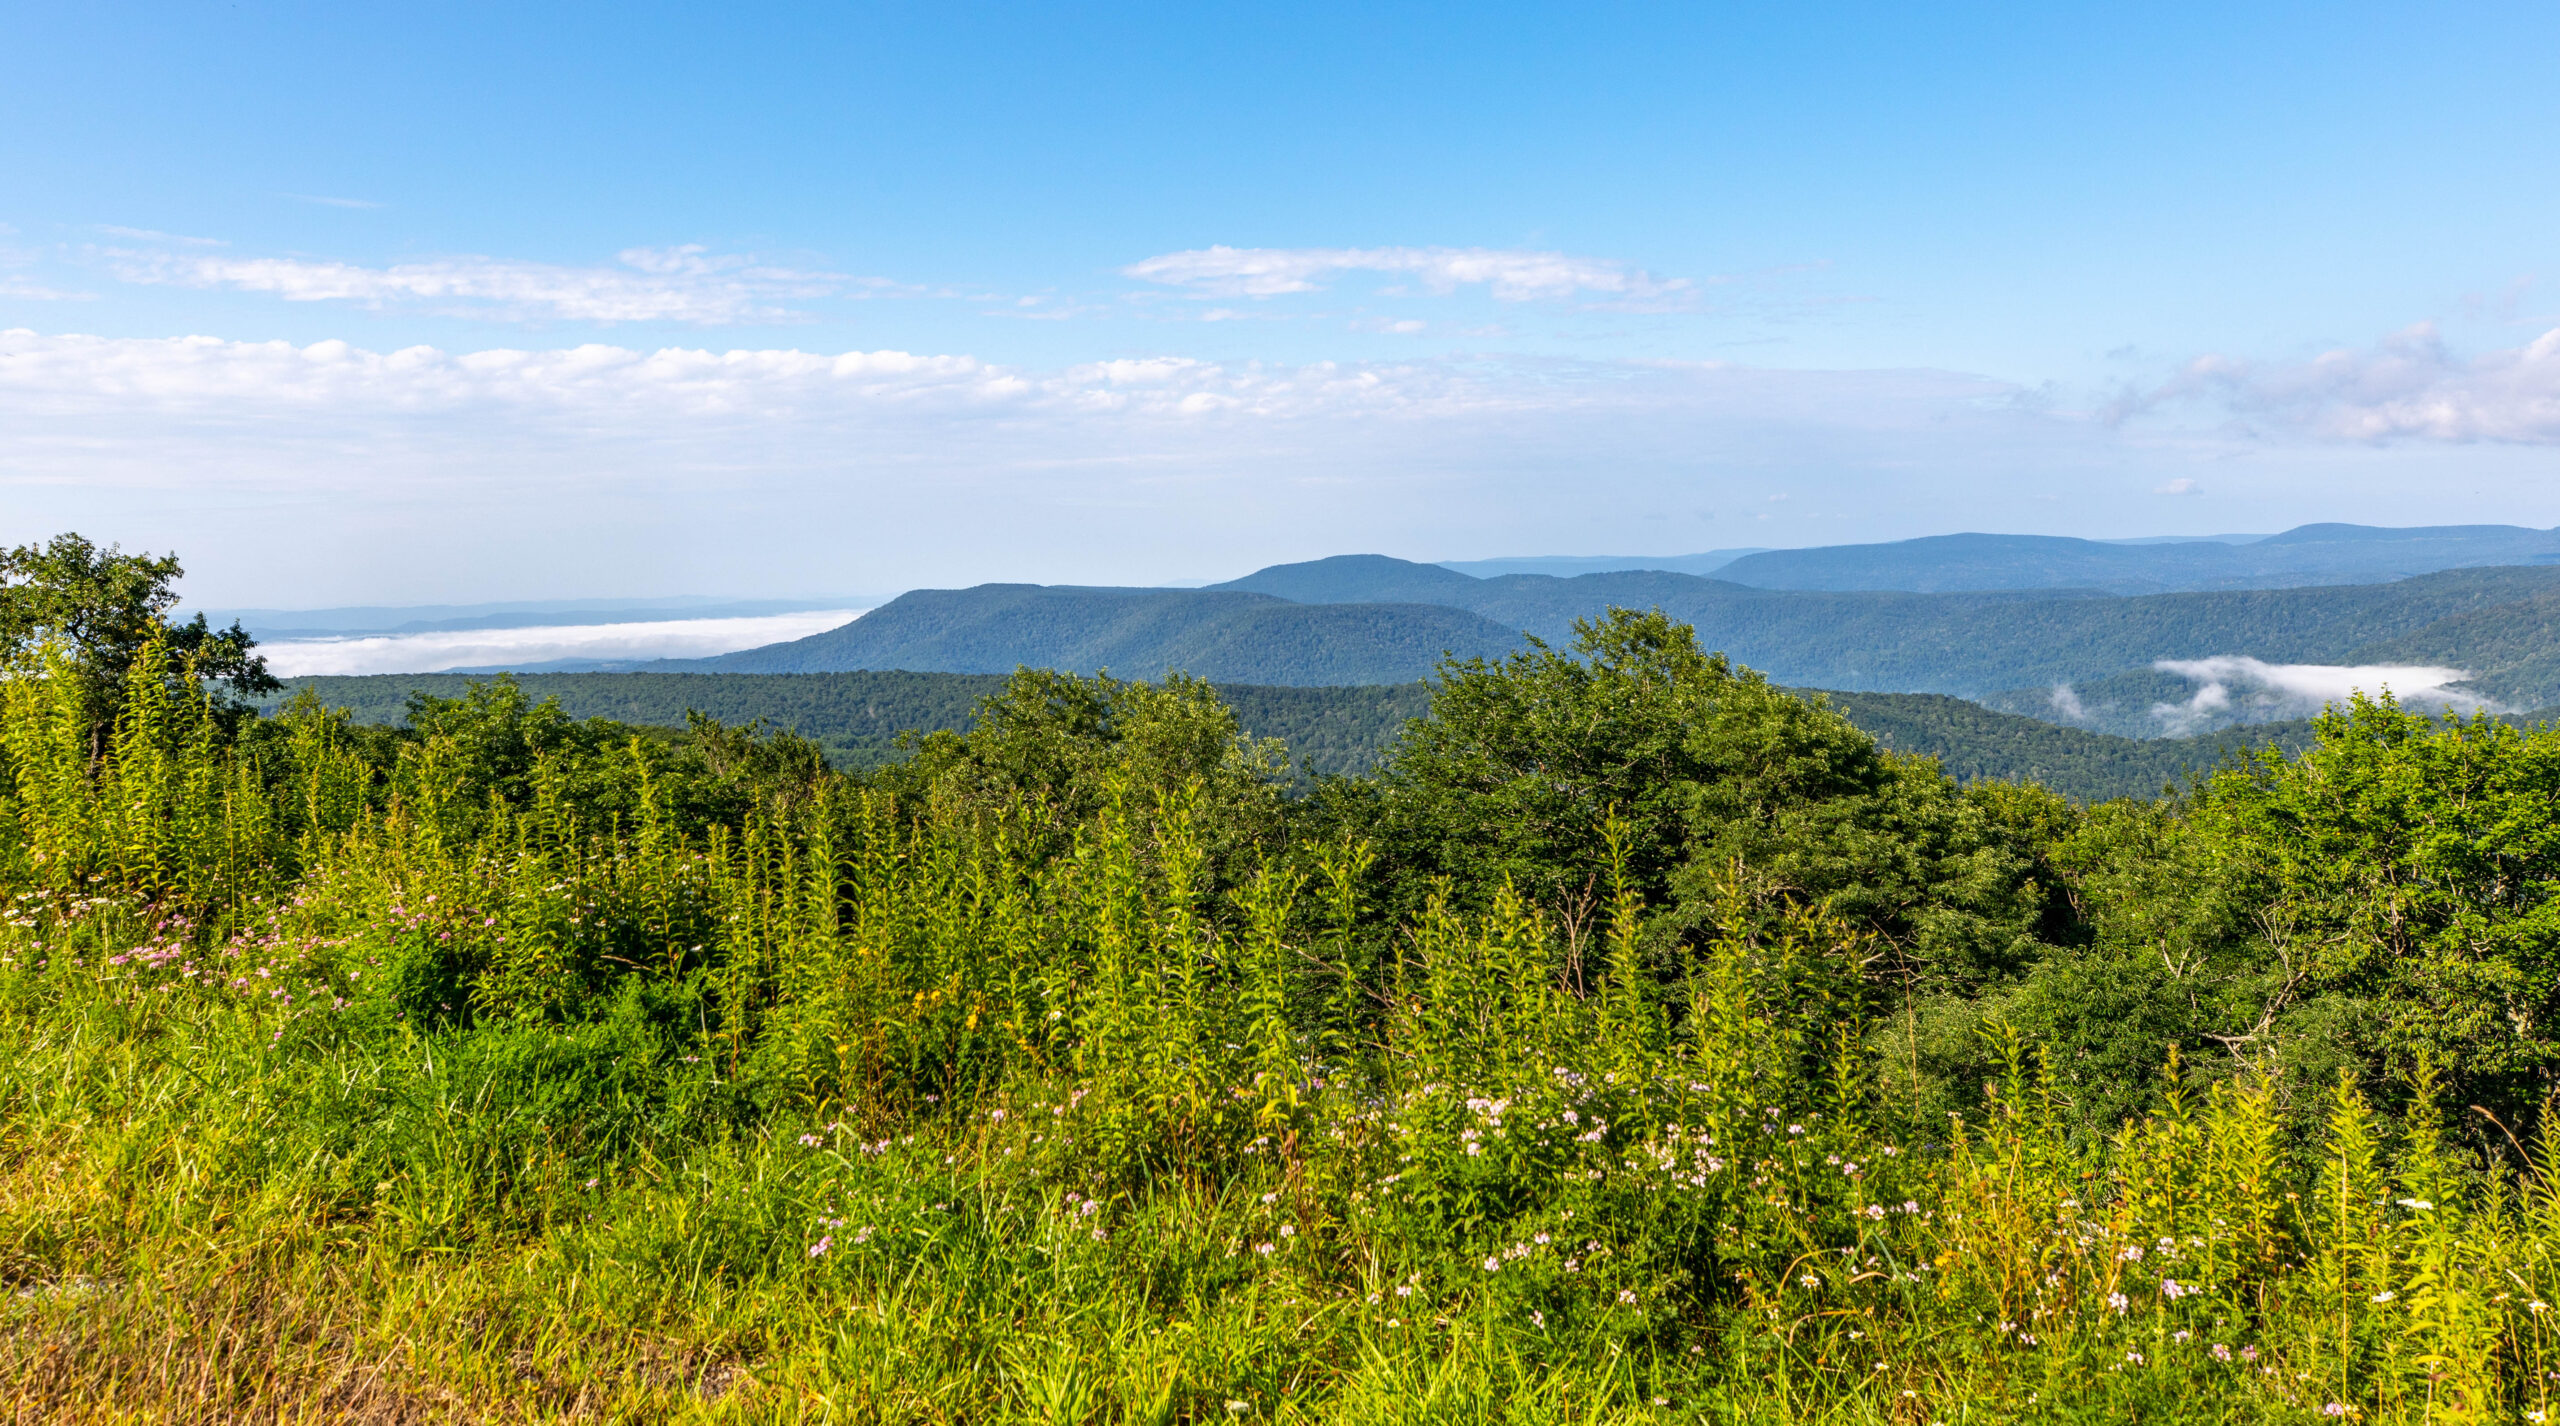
[101, 606]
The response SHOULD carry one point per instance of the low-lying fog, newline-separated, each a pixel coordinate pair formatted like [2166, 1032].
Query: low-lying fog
[441, 650]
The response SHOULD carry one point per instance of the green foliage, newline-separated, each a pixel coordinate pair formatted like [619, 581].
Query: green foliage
[1593, 1064]
[1712, 772]
[859, 717]
[104, 609]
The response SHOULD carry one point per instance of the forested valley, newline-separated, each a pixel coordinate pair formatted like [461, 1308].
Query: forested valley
[1637, 1041]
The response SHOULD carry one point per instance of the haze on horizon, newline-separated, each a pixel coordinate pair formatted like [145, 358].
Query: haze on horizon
[396, 307]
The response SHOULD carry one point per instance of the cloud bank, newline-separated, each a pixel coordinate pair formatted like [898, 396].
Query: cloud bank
[2227, 682]
[327, 472]
[685, 386]
[2407, 387]
[502, 648]
[1509, 275]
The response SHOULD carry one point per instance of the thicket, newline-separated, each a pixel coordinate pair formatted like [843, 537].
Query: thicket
[1642, 1044]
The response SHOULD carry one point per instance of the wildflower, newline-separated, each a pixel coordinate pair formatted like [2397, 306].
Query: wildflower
[2180, 1336]
[2172, 1290]
[2221, 1353]
[2414, 1205]
[1910, 1206]
[1537, 1319]
[1493, 1265]
[2117, 1301]
[1237, 1408]
[2333, 1409]
[2135, 1358]
[1263, 1248]
[819, 1248]
[1404, 1289]
[2132, 1254]
[1287, 1231]
[2248, 1354]
[1875, 1210]
[1809, 1281]
[811, 1140]
[1626, 1298]
[2386, 1295]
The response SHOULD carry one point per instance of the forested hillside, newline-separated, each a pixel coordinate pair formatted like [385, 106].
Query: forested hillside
[1225, 636]
[857, 717]
[2494, 621]
[2308, 555]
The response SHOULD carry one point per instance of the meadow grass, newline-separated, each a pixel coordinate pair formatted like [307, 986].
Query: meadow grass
[328, 1095]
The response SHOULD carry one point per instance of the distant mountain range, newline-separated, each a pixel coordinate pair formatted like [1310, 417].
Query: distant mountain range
[2310, 554]
[2061, 630]
[1372, 619]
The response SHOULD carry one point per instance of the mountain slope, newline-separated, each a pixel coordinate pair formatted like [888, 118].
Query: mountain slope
[1358, 579]
[2512, 650]
[1707, 562]
[1137, 633]
[2006, 648]
[1966, 643]
[2308, 555]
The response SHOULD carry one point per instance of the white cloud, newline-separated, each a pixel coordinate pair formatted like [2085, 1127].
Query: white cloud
[2284, 690]
[491, 648]
[1510, 275]
[2066, 702]
[681, 284]
[2183, 485]
[329, 473]
[2408, 387]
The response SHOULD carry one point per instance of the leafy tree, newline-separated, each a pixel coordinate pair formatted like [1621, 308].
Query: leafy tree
[101, 606]
[1072, 743]
[2398, 886]
[1707, 771]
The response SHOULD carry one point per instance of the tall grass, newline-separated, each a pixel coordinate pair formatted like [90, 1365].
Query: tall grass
[327, 1094]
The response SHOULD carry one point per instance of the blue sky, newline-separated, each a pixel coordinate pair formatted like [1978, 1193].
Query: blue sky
[474, 302]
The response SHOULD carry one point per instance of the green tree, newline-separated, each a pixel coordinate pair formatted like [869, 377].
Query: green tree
[2398, 889]
[102, 606]
[1710, 773]
[1067, 741]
